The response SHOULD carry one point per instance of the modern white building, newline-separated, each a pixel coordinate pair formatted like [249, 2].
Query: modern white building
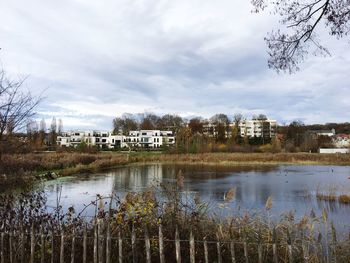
[258, 128]
[106, 140]
[150, 138]
[342, 140]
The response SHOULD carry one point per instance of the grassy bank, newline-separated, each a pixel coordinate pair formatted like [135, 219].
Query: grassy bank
[24, 168]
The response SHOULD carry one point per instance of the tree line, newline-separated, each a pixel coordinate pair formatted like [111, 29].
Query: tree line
[221, 133]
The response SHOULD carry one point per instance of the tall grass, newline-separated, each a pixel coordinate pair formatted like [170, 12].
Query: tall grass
[311, 236]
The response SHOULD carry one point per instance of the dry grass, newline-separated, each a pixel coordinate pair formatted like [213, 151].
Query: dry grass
[250, 158]
[327, 197]
[344, 199]
[69, 163]
[140, 211]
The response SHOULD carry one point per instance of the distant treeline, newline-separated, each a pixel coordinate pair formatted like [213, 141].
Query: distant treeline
[220, 133]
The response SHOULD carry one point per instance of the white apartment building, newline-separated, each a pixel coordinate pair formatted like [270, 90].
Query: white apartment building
[257, 128]
[106, 140]
[150, 138]
[102, 139]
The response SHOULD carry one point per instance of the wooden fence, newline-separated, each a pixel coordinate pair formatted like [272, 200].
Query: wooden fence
[99, 245]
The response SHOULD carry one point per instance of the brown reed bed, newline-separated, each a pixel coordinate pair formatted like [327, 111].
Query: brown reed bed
[344, 199]
[137, 212]
[27, 167]
[331, 195]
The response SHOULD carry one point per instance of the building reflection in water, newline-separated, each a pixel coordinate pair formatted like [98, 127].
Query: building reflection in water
[289, 186]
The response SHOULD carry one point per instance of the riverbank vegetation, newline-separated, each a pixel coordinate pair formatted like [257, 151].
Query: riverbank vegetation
[148, 226]
[24, 168]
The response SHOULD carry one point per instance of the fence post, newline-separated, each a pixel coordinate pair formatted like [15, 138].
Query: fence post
[147, 245]
[218, 248]
[108, 242]
[95, 241]
[192, 248]
[84, 244]
[133, 244]
[205, 246]
[245, 248]
[232, 250]
[177, 245]
[32, 244]
[100, 240]
[260, 260]
[42, 243]
[62, 247]
[120, 247]
[22, 244]
[72, 255]
[274, 246]
[2, 247]
[11, 247]
[52, 245]
[161, 243]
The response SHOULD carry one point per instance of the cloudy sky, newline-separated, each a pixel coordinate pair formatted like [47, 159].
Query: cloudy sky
[98, 59]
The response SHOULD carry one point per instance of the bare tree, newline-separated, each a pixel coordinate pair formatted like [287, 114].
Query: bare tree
[42, 125]
[237, 119]
[125, 124]
[53, 131]
[149, 121]
[301, 18]
[60, 127]
[16, 108]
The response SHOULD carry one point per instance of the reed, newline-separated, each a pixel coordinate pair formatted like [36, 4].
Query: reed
[136, 212]
[344, 199]
[27, 167]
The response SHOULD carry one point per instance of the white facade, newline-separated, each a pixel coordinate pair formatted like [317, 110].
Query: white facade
[150, 138]
[105, 140]
[329, 133]
[342, 141]
[334, 150]
[257, 128]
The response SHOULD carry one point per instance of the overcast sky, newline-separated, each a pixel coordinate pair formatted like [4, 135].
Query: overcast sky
[98, 59]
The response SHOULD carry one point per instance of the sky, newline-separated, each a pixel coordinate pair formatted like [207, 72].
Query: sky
[94, 60]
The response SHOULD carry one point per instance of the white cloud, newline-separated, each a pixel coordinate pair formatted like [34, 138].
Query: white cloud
[200, 57]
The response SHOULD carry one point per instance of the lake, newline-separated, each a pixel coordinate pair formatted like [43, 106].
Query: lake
[292, 187]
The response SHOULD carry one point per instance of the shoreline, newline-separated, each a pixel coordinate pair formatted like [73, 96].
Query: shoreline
[40, 166]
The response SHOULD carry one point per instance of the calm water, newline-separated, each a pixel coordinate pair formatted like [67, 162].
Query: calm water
[291, 187]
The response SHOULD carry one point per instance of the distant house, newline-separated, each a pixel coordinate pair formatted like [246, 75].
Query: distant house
[342, 140]
[328, 133]
[258, 128]
[106, 140]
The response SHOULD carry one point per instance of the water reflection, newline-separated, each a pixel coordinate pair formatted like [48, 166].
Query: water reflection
[291, 187]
